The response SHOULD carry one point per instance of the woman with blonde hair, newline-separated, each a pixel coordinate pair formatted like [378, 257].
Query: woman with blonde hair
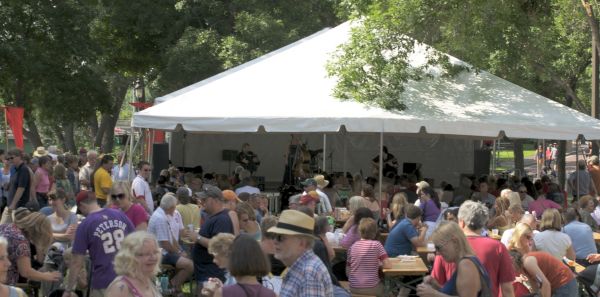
[136, 265]
[470, 277]
[28, 228]
[500, 220]
[522, 239]
[396, 211]
[120, 197]
[551, 239]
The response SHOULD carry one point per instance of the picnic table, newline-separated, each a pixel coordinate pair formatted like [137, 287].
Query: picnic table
[403, 266]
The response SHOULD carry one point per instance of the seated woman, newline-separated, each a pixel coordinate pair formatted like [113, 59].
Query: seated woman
[247, 264]
[28, 228]
[352, 235]
[120, 197]
[136, 264]
[396, 211]
[587, 205]
[219, 246]
[63, 221]
[371, 202]
[469, 279]
[354, 203]
[247, 219]
[545, 274]
[4, 265]
[551, 239]
[501, 219]
[521, 240]
[364, 258]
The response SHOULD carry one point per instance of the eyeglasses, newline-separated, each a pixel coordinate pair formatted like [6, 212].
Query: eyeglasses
[10, 158]
[118, 196]
[279, 238]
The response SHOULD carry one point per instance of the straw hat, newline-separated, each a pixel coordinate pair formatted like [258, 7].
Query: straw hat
[40, 151]
[293, 222]
[321, 181]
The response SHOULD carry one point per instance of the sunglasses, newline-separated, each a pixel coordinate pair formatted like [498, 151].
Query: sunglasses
[10, 158]
[118, 196]
[279, 238]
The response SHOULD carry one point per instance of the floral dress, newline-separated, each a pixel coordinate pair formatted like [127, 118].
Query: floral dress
[18, 246]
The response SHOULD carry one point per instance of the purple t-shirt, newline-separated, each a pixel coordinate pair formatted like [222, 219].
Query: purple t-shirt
[247, 290]
[430, 211]
[351, 237]
[137, 214]
[101, 234]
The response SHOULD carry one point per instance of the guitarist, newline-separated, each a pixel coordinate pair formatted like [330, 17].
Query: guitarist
[247, 159]
[390, 164]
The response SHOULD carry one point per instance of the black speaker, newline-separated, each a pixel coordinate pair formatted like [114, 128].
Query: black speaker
[260, 182]
[481, 162]
[229, 155]
[409, 168]
[160, 159]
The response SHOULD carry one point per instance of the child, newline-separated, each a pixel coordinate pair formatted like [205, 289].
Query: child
[82, 281]
[364, 258]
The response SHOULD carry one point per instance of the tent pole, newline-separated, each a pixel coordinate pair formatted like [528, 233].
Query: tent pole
[324, 153]
[493, 167]
[576, 166]
[131, 140]
[380, 166]
[344, 161]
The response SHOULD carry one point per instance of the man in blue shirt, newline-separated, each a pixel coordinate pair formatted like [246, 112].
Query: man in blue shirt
[404, 235]
[217, 222]
[581, 235]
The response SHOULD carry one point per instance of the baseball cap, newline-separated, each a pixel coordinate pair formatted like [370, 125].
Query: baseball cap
[309, 182]
[83, 195]
[230, 195]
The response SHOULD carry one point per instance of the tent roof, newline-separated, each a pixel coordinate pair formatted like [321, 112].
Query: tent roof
[289, 90]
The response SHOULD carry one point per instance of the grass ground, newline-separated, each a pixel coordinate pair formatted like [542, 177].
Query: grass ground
[509, 155]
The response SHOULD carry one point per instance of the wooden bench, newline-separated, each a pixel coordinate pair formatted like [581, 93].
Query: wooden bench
[346, 285]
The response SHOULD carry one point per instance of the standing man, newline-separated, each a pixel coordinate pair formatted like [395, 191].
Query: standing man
[19, 185]
[307, 276]
[100, 234]
[102, 179]
[472, 217]
[217, 222]
[580, 181]
[87, 169]
[120, 172]
[141, 189]
[247, 159]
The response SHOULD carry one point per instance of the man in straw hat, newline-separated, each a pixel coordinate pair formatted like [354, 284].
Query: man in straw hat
[307, 276]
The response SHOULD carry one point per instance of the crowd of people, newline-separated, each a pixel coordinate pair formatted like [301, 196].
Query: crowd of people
[93, 225]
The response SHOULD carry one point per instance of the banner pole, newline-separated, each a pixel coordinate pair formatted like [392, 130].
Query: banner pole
[5, 127]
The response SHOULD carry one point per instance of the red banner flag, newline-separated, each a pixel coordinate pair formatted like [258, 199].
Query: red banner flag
[14, 117]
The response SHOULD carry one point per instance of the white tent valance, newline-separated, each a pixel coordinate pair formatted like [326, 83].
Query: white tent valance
[288, 90]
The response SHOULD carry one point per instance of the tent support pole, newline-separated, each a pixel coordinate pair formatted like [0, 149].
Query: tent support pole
[131, 140]
[380, 166]
[493, 167]
[344, 162]
[324, 153]
[576, 166]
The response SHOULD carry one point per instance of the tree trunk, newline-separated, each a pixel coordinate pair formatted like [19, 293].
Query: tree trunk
[561, 164]
[592, 22]
[106, 134]
[70, 138]
[518, 157]
[32, 134]
[93, 124]
[58, 131]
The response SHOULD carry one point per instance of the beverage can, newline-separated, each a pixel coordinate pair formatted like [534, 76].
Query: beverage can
[164, 284]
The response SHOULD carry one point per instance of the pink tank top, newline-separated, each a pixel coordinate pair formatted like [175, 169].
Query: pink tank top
[44, 185]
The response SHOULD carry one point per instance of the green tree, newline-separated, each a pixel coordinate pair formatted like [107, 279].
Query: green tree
[540, 45]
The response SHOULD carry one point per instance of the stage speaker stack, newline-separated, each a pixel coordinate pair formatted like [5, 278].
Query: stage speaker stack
[160, 159]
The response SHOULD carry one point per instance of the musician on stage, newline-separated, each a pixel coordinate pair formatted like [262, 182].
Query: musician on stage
[247, 159]
[390, 164]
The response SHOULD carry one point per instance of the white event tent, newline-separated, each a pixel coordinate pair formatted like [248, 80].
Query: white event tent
[289, 91]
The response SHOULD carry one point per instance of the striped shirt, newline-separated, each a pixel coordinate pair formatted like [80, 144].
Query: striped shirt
[364, 258]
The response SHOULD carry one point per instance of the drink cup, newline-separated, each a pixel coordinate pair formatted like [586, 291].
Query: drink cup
[430, 246]
[495, 232]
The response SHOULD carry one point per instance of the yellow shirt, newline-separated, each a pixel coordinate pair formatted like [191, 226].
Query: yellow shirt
[190, 214]
[102, 180]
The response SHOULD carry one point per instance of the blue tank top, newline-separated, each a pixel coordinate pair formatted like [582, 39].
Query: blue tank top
[450, 286]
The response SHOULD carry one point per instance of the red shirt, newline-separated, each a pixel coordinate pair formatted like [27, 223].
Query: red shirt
[493, 255]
